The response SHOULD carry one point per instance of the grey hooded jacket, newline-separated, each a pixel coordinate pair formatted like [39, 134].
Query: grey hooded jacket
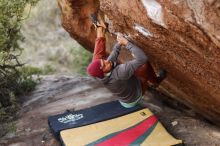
[122, 82]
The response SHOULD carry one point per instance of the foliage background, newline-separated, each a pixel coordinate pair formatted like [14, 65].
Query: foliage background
[48, 46]
[33, 42]
[11, 18]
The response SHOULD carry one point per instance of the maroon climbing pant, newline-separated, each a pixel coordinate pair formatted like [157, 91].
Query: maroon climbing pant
[144, 73]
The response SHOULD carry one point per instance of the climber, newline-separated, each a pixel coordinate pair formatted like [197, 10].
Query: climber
[127, 81]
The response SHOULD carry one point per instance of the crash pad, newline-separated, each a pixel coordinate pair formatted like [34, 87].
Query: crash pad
[138, 128]
[87, 116]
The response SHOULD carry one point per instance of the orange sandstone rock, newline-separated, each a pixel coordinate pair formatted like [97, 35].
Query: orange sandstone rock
[181, 36]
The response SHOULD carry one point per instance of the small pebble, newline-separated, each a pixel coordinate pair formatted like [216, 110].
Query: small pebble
[174, 123]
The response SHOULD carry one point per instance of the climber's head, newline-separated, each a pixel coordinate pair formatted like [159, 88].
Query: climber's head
[98, 67]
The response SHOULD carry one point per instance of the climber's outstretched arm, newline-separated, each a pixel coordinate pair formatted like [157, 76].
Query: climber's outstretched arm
[127, 70]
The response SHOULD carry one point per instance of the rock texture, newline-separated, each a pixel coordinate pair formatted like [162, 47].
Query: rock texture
[182, 36]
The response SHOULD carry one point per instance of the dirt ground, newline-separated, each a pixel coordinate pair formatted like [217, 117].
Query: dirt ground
[56, 94]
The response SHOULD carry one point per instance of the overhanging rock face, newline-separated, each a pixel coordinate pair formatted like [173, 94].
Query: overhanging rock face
[182, 36]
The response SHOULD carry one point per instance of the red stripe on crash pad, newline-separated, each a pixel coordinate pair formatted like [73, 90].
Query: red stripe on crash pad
[127, 137]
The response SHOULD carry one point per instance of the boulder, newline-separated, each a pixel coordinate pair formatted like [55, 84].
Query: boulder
[182, 36]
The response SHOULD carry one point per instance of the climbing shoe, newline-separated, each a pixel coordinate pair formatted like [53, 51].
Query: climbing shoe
[97, 24]
[95, 21]
[162, 75]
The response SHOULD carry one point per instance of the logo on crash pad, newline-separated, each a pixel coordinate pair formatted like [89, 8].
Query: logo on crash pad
[70, 118]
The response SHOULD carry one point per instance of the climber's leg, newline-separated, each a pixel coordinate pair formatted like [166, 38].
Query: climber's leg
[147, 76]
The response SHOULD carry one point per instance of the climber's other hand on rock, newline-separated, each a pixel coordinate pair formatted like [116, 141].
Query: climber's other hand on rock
[121, 40]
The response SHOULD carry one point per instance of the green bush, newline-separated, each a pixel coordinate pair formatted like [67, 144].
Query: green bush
[11, 18]
[27, 83]
[30, 76]
[47, 69]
